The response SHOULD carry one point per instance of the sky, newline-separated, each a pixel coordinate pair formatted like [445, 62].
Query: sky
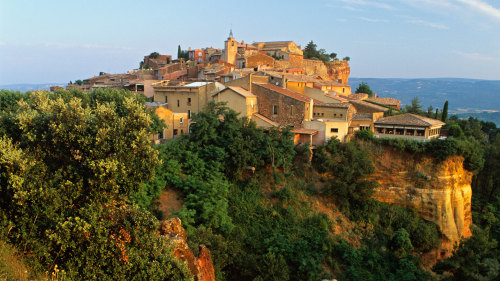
[60, 41]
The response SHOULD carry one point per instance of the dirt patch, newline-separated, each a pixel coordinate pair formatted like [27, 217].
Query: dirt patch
[170, 201]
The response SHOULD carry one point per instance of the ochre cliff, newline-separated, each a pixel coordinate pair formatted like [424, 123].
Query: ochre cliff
[439, 192]
[339, 70]
[201, 267]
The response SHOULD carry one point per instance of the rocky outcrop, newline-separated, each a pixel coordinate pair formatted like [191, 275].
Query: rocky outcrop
[339, 70]
[202, 266]
[439, 192]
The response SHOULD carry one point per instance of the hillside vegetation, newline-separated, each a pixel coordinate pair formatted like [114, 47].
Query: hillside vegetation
[79, 183]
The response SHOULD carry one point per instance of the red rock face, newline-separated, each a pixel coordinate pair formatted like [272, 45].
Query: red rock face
[202, 266]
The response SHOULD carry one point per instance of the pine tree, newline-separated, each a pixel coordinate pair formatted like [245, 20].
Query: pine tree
[444, 115]
[436, 116]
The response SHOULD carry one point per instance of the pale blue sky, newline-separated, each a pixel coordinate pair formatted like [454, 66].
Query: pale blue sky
[59, 41]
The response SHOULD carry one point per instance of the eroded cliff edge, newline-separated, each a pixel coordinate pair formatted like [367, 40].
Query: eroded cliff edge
[439, 192]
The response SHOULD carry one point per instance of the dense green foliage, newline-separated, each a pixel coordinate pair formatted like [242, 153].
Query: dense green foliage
[68, 162]
[79, 180]
[311, 52]
[444, 114]
[477, 258]
[365, 89]
[261, 226]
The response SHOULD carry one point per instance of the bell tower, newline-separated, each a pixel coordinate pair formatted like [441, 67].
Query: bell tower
[230, 49]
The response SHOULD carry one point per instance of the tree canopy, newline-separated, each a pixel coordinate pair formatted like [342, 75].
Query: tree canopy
[365, 89]
[69, 161]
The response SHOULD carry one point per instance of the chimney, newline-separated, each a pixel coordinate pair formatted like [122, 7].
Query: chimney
[190, 48]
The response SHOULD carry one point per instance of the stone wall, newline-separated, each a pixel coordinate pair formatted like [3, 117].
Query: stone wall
[316, 67]
[267, 98]
[259, 59]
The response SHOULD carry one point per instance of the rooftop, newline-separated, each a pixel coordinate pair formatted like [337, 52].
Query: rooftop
[409, 119]
[387, 101]
[265, 119]
[333, 105]
[197, 84]
[286, 92]
[338, 98]
[304, 131]
[238, 90]
[367, 107]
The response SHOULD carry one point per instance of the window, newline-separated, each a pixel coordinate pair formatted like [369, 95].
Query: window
[334, 130]
[335, 115]
[160, 135]
[175, 132]
[178, 103]
[275, 109]
[343, 90]
[189, 114]
[341, 115]
[291, 110]
[181, 120]
[166, 99]
[189, 101]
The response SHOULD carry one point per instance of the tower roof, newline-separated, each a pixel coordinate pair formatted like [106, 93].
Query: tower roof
[231, 33]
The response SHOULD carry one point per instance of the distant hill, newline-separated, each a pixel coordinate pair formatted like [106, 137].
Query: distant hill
[30, 87]
[465, 96]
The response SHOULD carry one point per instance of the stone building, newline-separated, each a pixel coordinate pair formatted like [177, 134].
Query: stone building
[186, 98]
[230, 49]
[283, 106]
[330, 120]
[238, 99]
[409, 126]
[176, 123]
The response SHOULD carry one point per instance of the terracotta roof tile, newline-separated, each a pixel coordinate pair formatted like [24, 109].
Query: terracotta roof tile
[242, 92]
[366, 107]
[304, 131]
[386, 101]
[409, 119]
[286, 92]
[265, 119]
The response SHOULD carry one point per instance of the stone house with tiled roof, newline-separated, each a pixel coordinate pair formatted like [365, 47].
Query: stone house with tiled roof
[238, 99]
[283, 106]
[409, 126]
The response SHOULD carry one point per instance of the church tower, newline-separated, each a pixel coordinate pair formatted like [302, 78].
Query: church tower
[230, 49]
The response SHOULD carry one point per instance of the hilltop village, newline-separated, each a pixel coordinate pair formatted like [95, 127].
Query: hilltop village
[270, 83]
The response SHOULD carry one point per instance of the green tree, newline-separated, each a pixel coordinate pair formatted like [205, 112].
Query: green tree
[154, 55]
[401, 243]
[77, 158]
[346, 58]
[179, 52]
[415, 106]
[444, 115]
[310, 50]
[350, 186]
[365, 89]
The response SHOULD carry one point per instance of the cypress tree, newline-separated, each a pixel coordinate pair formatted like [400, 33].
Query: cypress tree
[436, 116]
[179, 52]
[444, 114]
